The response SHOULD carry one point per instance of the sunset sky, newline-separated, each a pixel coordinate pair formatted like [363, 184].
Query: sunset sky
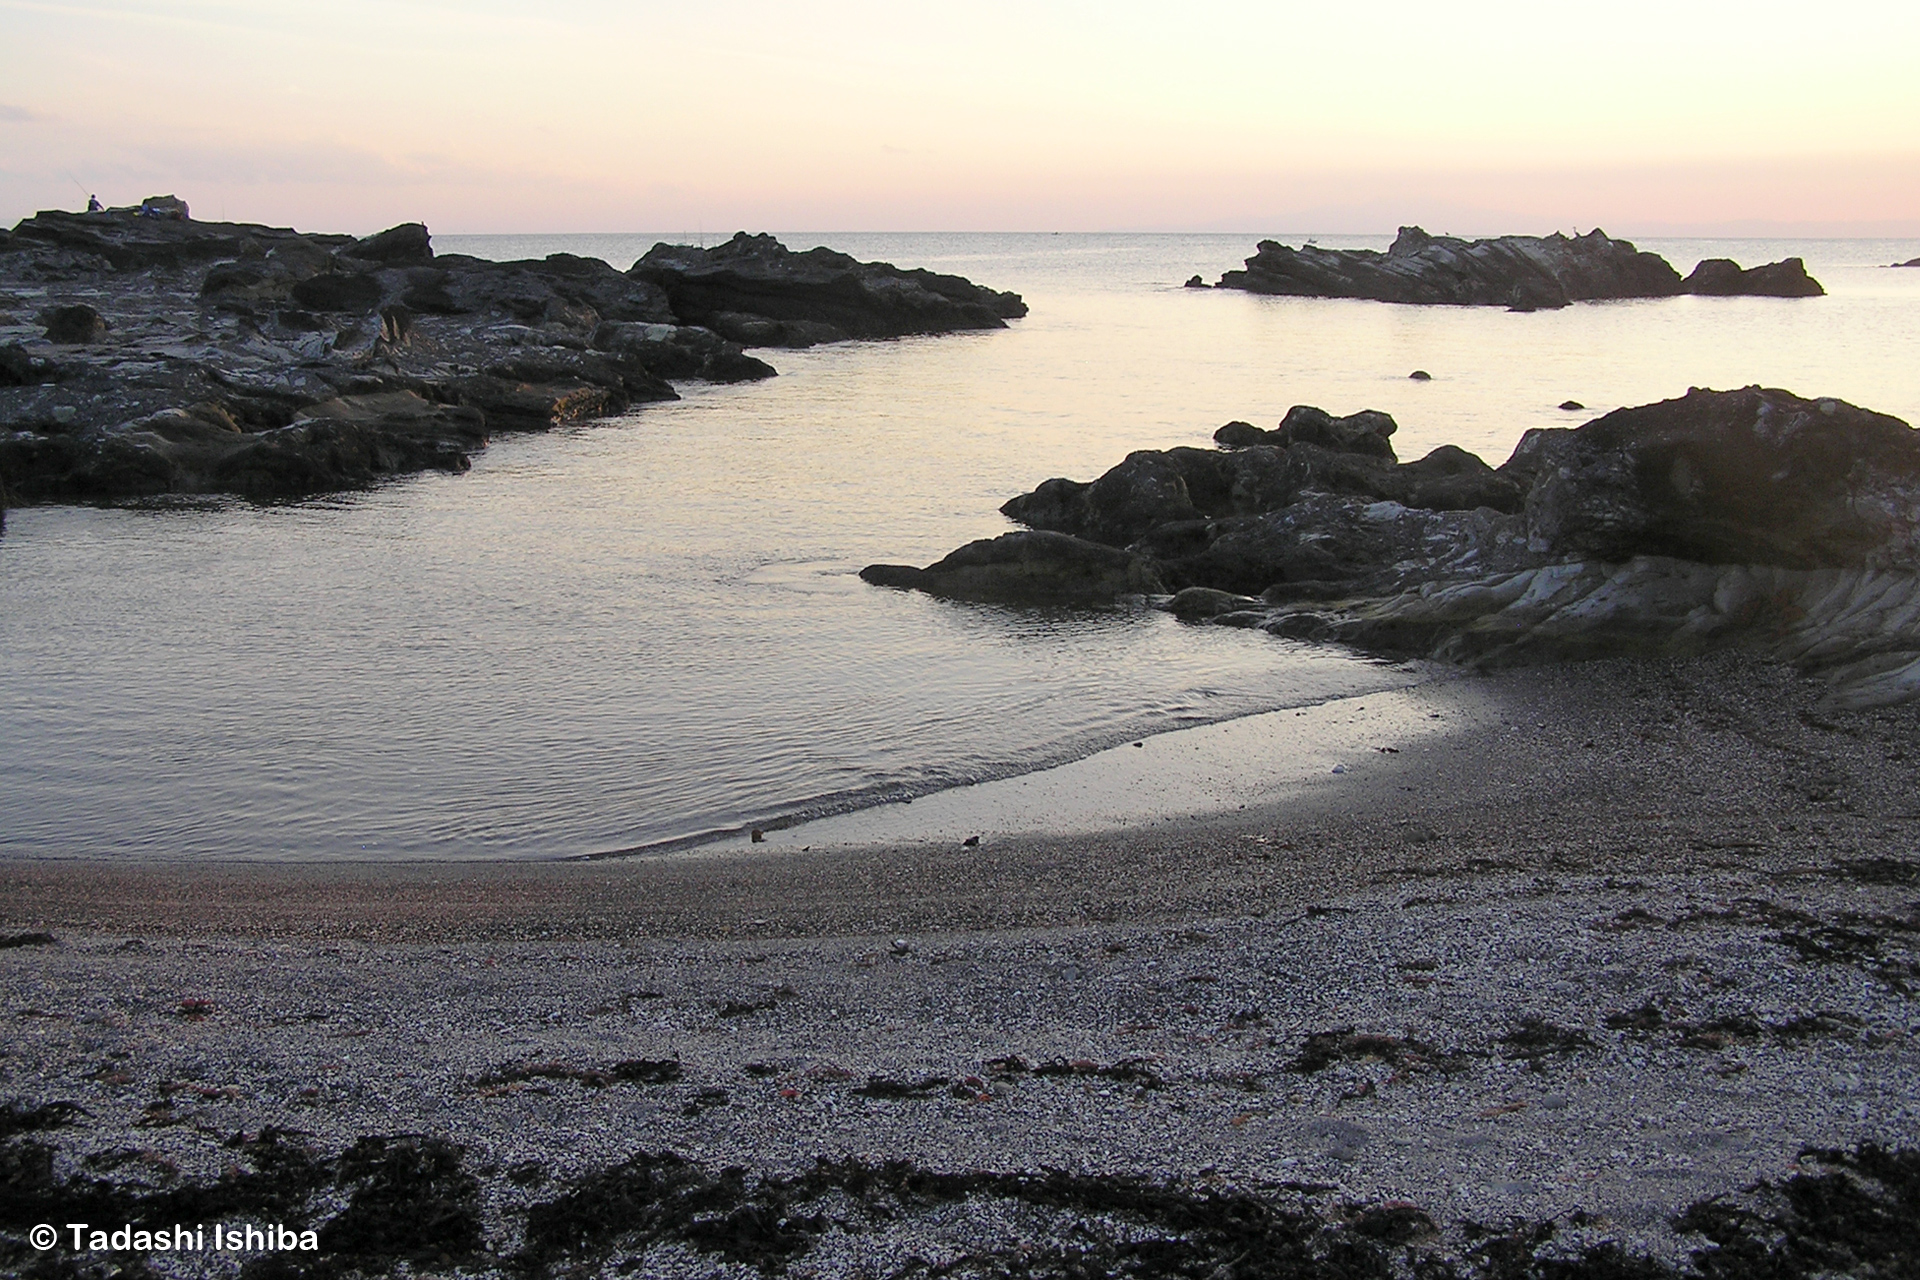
[598, 115]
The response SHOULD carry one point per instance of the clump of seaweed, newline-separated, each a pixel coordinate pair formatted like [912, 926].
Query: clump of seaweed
[1344, 1044]
[628, 1071]
[1535, 1040]
[1860, 1217]
[1128, 1070]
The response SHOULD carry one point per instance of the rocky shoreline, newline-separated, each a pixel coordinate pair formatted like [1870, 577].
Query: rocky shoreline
[1524, 273]
[1755, 519]
[143, 357]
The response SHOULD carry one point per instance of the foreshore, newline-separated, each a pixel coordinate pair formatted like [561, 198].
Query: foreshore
[1602, 942]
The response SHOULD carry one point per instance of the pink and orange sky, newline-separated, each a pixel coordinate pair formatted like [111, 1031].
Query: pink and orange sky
[596, 115]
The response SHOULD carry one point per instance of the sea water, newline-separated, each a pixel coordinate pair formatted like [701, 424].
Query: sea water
[649, 628]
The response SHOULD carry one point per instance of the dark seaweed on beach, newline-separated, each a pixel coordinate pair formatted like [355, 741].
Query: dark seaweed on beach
[18, 1117]
[898, 1090]
[1720, 1032]
[1344, 1044]
[1128, 1070]
[1894, 871]
[409, 1199]
[629, 1071]
[1647, 1017]
[27, 940]
[1859, 1218]
[1536, 1040]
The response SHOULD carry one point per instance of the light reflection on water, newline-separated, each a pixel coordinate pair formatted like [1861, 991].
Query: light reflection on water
[635, 630]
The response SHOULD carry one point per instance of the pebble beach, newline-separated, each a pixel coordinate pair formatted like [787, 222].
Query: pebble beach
[1618, 942]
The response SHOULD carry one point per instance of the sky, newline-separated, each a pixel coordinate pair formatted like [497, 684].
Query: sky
[1481, 117]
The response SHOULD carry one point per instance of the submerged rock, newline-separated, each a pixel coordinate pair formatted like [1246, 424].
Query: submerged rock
[1752, 517]
[269, 363]
[1526, 273]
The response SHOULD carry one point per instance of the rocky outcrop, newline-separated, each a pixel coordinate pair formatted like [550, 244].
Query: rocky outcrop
[342, 443]
[122, 240]
[1735, 477]
[1182, 501]
[1037, 567]
[759, 293]
[1526, 273]
[1752, 517]
[189, 357]
[1723, 278]
[1911, 262]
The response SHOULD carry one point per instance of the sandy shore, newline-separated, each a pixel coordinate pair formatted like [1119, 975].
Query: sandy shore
[1558, 953]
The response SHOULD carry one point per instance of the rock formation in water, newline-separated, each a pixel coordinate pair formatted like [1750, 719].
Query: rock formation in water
[1750, 517]
[145, 354]
[758, 292]
[1724, 278]
[1526, 273]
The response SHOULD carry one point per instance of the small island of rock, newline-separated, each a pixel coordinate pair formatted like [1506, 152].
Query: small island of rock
[1526, 273]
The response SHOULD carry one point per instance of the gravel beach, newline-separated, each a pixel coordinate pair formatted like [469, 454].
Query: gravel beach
[1596, 970]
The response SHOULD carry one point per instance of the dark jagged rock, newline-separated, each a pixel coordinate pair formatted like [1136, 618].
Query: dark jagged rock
[337, 444]
[757, 292]
[1723, 277]
[1911, 262]
[20, 369]
[74, 325]
[1181, 490]
[680, 351]
[1737, 477]
[1238, 434]
[1366, 432]
[1751, 517]
[1526, 273]
[1518, 271]
[1451, 479]
[358, 292]
[121, 240]
[268, 363]
[560, 289]
[1036, 566]
[407, 245]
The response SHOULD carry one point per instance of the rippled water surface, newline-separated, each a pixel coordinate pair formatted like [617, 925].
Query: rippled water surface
[650, 627]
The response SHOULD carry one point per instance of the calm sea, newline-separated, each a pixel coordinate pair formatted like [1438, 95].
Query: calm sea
[650, 628]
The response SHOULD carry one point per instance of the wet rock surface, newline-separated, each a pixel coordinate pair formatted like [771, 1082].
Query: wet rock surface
[1526, 273]
[149, 355]
[1753, 517]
